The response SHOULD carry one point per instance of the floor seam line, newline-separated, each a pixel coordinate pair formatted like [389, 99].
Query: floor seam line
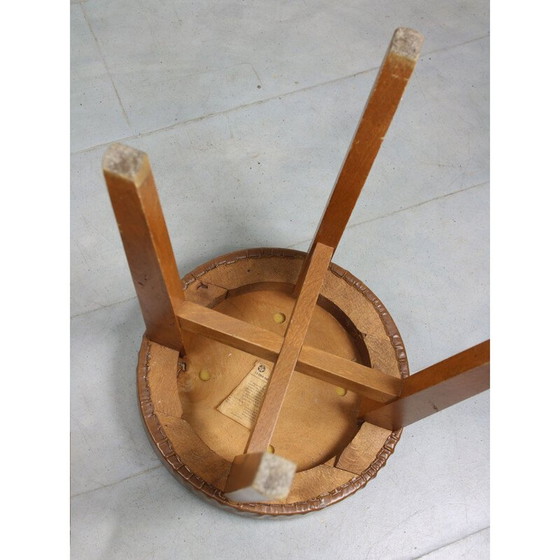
[97, 44]
[412, 207]
[116, 482]
[450, 543]
[293, 245]
[81, 313]
[244, 106]
[418, 204]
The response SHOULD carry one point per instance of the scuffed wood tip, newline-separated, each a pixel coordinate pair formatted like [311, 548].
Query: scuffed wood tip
[260, 478]
[407, 42]
[125, 162]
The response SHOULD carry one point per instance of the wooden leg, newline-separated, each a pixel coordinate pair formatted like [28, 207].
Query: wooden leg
[146, 242]
[291, 347]
[261, 435]
[446, 383]
[381, 105]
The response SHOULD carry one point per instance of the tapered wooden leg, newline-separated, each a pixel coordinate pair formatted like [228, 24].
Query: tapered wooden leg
[146, 242]
[446, 383]
[380, 108]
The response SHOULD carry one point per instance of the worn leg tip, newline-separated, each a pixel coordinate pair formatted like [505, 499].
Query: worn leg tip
[259, 477]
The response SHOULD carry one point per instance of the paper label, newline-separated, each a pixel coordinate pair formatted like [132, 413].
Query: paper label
[244, 402]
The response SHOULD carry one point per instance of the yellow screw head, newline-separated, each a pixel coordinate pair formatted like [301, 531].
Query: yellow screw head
[279, 317]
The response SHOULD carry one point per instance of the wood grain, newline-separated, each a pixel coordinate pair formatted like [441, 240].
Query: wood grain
[203, 461]
[349, 321]
[311, 406]
[369, 382]
[391, 81]
[355, 457]
[395, 70]
[446, 383]
[146, 242]
[163, 388]
[291, 347]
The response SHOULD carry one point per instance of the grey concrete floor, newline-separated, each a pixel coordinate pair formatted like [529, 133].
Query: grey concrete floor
[246, 110]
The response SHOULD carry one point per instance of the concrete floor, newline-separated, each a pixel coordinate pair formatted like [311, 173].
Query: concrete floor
[246, 110]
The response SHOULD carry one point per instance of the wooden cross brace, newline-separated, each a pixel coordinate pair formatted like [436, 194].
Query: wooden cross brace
[258, 475]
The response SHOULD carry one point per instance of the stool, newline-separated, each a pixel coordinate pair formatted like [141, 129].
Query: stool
[273, 381]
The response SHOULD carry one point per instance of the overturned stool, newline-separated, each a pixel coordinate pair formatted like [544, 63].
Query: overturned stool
[271, 380]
